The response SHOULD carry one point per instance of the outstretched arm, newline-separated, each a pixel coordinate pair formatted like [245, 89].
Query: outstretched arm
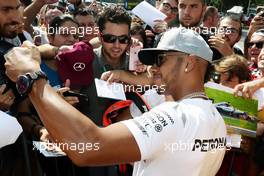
[31, 12]
[67, 126]
[249, 88]
[127, 77]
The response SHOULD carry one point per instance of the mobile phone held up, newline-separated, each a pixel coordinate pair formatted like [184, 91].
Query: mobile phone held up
[133, 57]
[75, 94]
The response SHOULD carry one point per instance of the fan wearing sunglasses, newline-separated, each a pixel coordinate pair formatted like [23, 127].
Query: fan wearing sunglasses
[114, 24]
[254, 47]
[170, 9]
[261, 61]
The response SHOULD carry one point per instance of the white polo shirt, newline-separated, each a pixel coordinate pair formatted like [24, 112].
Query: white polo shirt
[185, 138]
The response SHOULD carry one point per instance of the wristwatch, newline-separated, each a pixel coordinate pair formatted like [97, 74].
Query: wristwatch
[24, 82]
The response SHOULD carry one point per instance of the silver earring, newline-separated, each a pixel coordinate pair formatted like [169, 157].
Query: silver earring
[186, 70]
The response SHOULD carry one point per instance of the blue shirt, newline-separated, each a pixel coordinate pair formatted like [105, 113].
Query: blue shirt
[52, 75]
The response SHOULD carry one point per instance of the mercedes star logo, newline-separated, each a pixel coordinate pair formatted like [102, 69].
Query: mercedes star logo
[79, 66]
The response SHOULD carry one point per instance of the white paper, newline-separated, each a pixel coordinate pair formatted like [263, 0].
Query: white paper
[259, 94]
[113, 91]
[10, 129]
[148, 13]
[233, 140]
[48, 149]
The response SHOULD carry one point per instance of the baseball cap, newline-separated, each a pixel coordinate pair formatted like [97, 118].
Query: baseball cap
[76, 65]
[177, 39]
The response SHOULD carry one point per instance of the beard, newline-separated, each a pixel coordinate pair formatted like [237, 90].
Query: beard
[193, 24]
[113, 56]
[9, 30]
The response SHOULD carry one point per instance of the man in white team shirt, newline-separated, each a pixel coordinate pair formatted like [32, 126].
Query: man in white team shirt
[152, 140]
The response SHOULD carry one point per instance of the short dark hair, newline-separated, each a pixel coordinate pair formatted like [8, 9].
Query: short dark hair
[57, 22]
[210, 11]
[114, 14]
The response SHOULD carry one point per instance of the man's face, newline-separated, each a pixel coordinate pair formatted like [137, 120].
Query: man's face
[229, 29]
[113, 50]
[215, 19]
[190, 12]
[169, 8]
[10, 18]
[165, 73]
[254, 47]
[87, 23]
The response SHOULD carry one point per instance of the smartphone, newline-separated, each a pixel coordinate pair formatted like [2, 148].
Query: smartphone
[75, 94]
[133, 57]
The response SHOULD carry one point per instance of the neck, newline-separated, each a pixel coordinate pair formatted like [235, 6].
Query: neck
[186, 91]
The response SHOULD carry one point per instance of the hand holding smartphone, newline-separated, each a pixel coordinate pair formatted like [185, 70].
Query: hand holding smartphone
[133, 57]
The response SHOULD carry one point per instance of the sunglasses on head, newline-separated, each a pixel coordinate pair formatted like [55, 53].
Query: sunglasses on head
[109, 38]
[258, 45]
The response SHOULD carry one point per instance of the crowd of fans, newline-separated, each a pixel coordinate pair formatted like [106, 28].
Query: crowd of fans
[70, 32]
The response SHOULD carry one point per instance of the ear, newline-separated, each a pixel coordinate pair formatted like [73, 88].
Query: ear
[190, 63]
